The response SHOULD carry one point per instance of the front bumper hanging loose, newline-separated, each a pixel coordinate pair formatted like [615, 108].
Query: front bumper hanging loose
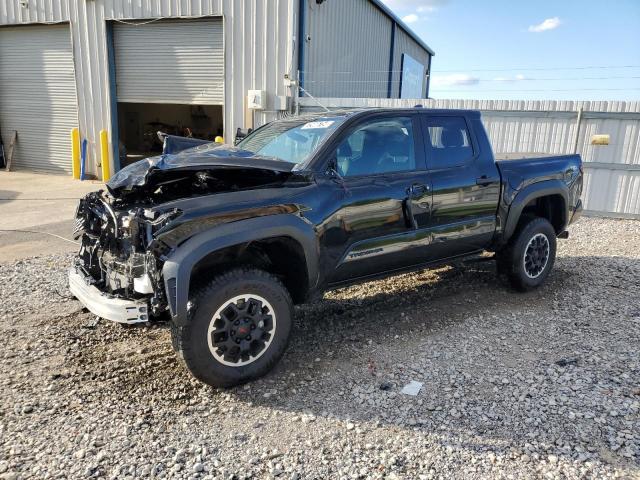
[104, 306]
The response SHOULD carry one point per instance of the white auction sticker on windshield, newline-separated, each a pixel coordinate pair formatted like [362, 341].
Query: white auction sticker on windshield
[323, 124]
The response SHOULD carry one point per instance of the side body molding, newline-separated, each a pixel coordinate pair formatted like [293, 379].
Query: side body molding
[520, 199]
[178, 267]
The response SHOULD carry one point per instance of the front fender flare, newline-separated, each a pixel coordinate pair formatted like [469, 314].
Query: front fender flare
[178, 267]
[529, 193]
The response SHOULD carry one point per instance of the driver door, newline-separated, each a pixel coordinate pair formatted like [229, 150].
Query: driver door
[383, 199]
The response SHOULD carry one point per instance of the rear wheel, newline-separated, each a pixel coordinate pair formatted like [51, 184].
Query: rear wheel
[530, 255]
[238, 330]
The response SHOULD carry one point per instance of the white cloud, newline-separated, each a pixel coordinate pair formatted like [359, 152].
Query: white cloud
[414, 10]
[517, 78]
[411, 18]
[548, 24]
[454, 79]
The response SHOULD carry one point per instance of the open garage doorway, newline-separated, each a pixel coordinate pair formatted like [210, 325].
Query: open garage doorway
[139, 124]
[166, 76]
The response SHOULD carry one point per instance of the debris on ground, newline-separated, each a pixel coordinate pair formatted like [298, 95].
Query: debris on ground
[412, 388]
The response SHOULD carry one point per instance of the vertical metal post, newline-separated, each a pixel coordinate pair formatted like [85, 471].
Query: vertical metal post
[104, 156]
[426, 94]
[75, 153]
[113, 99]
[392, 47]
[297, 97]
[577, 136]
[302, 10]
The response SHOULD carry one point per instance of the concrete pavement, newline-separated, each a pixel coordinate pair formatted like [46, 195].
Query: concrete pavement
[42, 203]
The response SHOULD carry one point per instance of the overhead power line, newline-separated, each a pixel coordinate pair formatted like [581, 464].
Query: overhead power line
[518, 90]
[526, 79]
[478, 80]
[592, 67]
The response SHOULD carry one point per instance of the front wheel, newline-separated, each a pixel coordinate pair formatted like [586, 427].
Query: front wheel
[530, 255]
[238, 330]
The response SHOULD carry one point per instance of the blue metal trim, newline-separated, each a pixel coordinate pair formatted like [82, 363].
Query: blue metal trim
[426, 94]
[301, 41]
[401, 72]
[115, 132]
[391, 50]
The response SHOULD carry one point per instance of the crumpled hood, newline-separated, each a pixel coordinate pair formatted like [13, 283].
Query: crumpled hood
[211, 155]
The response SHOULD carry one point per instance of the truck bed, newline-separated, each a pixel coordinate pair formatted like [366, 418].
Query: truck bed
[540, 167]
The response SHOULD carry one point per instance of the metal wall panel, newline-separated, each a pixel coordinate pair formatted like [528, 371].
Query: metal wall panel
[405, 44]
[259, 50]
[348, 51]
[38, 95]
[612, 172]
[173, 61]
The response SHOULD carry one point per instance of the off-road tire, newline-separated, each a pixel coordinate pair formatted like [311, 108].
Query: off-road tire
[511, 260]
[191, 341]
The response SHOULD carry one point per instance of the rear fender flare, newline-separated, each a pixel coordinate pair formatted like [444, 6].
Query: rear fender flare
[178, 267]
[529, 193]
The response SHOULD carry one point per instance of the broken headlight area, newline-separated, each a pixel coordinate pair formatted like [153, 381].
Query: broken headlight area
[118, 254]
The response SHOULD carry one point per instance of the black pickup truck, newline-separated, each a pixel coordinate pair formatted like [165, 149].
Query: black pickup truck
[223, 240]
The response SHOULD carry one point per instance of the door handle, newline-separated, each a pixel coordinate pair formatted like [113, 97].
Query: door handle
[485, 180]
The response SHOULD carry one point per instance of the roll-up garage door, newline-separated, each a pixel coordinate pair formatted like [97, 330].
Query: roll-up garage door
[173, 61]
[38, 95]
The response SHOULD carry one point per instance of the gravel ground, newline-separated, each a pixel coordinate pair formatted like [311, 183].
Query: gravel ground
[538, 385]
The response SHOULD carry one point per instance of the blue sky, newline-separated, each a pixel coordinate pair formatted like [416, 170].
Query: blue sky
[500, 49]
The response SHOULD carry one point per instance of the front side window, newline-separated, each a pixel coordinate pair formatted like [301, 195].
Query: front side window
[378, 146]
[293, 141]
[448, 142]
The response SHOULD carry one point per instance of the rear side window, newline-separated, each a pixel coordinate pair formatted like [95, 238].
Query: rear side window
[448, 143]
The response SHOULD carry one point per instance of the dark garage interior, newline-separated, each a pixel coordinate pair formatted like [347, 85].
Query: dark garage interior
[140, 122]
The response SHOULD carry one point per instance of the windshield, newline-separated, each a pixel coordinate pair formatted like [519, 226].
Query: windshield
[291, 140]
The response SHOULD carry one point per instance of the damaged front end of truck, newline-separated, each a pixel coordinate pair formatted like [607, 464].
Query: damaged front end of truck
[119, 258]
[149, 208]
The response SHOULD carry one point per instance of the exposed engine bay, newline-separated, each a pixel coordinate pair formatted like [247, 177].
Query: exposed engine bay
[127, 231]
[114, 252]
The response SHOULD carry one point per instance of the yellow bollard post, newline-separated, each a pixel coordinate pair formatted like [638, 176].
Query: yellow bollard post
[104, 157]
[75, 153]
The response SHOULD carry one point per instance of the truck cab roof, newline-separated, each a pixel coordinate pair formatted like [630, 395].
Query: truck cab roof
[362, 111]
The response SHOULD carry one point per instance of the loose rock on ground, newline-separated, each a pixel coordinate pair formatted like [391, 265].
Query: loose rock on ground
[537, 385]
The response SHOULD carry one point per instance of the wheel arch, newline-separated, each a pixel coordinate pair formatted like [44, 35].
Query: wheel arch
[179, 267]
[548, 199]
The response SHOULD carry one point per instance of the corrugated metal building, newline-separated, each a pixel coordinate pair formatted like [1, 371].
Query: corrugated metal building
[336, 34]
[134, 67]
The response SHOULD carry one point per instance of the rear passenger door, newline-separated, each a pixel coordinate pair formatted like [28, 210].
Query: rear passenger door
[465, 194]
